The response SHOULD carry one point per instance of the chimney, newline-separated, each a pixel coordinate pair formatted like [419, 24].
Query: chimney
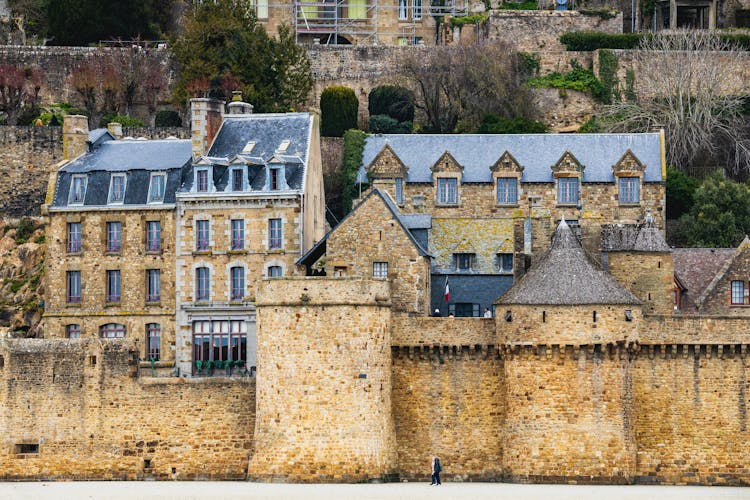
[115, 129]
[205, 120]
[75, 135]
[237, 106]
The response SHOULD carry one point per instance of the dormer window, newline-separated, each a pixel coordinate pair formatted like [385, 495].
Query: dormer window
[201, 180]
[567, 190]
[274, 182]
[447, 190]
[157, 188]
[238, 181]
[283, 146]
[507, 190]
[77, 190]
[465, 261]
[248, 148]
[628, 189]
[116, 189]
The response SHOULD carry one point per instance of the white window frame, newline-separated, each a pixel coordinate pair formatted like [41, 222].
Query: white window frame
[449, 183]
[84, 181]
[112, 178]
[209, 180]
[636, 183]
[503, 270]
[151, 198]
[416, 12]
[497, 188]
[403, 10]
[380, 270]
[565, 180]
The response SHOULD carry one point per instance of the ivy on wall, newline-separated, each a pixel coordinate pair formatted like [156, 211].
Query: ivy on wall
[608, 65]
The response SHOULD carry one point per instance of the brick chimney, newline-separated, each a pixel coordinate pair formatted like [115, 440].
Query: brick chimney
[75, 135]
[205, 119]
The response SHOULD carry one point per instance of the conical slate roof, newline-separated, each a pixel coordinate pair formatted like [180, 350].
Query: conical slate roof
[649, 239]
[565, 276]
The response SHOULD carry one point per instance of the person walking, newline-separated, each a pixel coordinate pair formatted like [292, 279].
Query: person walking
[436, 468]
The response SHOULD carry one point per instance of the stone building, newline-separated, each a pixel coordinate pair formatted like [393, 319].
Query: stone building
[111, 208]
[485, 205]
[249, 205]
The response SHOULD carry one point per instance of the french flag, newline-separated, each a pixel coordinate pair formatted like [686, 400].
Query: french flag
[447, 290]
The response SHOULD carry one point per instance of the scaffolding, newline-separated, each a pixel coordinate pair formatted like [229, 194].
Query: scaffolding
[333, 22]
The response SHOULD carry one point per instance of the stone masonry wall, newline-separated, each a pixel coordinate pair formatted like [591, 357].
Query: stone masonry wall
[324, 381]
[568, 417]
[450, 404]
[91, 418]
[673, 330]
[649, 275]
[690, 420]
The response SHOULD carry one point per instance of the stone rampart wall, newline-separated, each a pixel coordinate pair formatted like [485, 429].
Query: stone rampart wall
[88, 415]
[721, 330]
[428, 331]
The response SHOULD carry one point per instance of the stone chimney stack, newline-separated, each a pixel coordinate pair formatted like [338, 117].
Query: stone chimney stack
[205, 119]
[115, 129]
[75, 135]
[237, 106]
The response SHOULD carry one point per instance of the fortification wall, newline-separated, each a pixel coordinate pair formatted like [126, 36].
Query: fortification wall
[324, 381]
[690, 418]
[449, 403]
[568, 417]
[81, 405]
[723, 330]
[427, 331]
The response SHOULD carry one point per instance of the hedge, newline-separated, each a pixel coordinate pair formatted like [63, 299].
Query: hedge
[593, 40]
[338, 110]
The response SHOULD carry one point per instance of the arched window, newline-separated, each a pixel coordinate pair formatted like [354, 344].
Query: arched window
[153, 341]
[112, 331]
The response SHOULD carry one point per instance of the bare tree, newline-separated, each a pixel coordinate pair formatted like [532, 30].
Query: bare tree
[86, 82]
[456, 85]
[688, 84]
[154, 83]
[19, 87]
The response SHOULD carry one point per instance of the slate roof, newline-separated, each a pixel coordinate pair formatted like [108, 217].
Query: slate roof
[744, 245]
[564, 275]
[136, 158]
[535, 152]
[319, 248]
[696, 268]
[645, 237]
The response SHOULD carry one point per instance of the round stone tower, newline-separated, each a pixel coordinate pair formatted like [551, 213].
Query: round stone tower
[324, 381]
[566, 327]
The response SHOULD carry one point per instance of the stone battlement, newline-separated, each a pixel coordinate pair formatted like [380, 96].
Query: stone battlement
[301, 291]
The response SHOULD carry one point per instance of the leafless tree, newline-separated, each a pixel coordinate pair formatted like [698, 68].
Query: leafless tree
[689, 84]
[154, 83]
[456, 85]
[19, 87]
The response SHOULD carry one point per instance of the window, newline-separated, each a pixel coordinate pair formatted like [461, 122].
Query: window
[74, 237]
[153, 236]
[274, 233]
[201, 180]
[114, 236]
[274, 179]
[202, 284]
[402, 41]
[73, 331]
[77, 190]
[447, 190]
[112, 331]
[201, 235]
[153, 285]
[567, 190]
[505, 261]
[507, 190]
[403, 10]
[153, 341]
[262, 9]
[219, 341]
[117, 189]
[464, 261]
[380, 270]
[738, 292]
[417, 10]
[238, 183]
[629, 191]
[275, 272]
[238, 234]
[157, 188]
[113, 286]
[73, 279]
[464, 310]
[357, 9]
[238, 283]
[400, 190]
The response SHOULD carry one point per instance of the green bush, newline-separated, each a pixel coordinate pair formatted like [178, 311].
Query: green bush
[392, 100]
[526, 5]
[123, 120]
[493, 124]
[608, 64]
[593, 40]
[578, 78]
[529, 63]
[24, 230]
[681, 190]
[384, 124]
[338, 109]
[590, 127]
[474, 19]
[168, 118]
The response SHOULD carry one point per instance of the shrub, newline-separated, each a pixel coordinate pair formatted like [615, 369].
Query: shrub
[123, 120]
[392, 100]
[384, 124]
[681, 190]
[24, 230]
[526, 5]
[168, 118]
[474, 19]
[341, 184]
[593, 40]
[578, 78]
[338, 109]
[493, 124]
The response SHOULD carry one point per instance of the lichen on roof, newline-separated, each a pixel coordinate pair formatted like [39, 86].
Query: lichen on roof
[644, 237]
[565, 275]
